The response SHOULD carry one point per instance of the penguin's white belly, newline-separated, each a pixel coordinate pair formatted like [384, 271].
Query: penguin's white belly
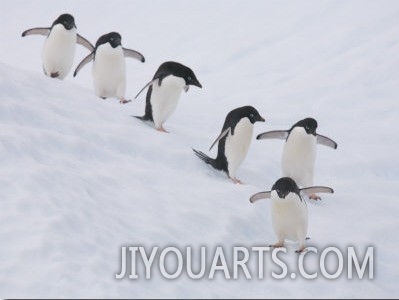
[289, 217]
[59, 51]
[299, 157]
[164, 98]
[237, 145]
[109, 72]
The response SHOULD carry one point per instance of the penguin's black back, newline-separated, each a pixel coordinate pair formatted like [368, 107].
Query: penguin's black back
[172, 68]
[148, 108]
[221, 159]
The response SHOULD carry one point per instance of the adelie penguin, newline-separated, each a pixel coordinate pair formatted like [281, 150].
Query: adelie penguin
[109, 66]
[59, 47]
[164, 91]
[233, 141]
[289, 211]
[299, 152]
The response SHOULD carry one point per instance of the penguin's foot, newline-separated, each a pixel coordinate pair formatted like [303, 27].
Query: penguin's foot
[124, 101]
[314, 197]
[279, 244]
[54, 74]
[236, 181]
[301, 249]
[161, 129]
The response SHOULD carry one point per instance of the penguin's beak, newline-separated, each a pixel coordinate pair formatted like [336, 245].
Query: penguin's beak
[261, 119]
[196, 83]
[310, 131]
[69, 26]
[281, 194]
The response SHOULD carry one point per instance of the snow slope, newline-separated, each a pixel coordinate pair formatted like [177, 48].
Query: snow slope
[80, 178]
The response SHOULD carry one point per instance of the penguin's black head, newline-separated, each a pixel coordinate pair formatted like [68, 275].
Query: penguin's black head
[179, 70]
[309, 124]
[251, 113]
[284, 186]
[190, 78]
[66, 20]
[113, 38]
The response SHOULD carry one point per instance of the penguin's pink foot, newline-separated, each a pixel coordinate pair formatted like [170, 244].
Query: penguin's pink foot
[236, 181]
[314, 197]
[124, 101]
[301, 249]
[161, 129]
[279, 244]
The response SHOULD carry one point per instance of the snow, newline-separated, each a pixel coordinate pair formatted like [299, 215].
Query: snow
[80, 178]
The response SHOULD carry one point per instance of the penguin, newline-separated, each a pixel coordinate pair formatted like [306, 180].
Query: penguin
[233, 141]
[164, 91]
[59, 47]
[299, 152]
[289, 210]
[109, 70]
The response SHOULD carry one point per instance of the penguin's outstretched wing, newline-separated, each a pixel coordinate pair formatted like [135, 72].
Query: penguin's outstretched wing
[161, 75]
[275, 134]
[84, 42]
[146, 86]
[323, 140]
[158, 76]
[133, 54]
[222, 135]
[317, 189]
[260, 196]
[86, 60]
[38, 30]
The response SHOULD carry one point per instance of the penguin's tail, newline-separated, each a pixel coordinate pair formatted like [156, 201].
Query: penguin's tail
[207, 159]
[143, 118]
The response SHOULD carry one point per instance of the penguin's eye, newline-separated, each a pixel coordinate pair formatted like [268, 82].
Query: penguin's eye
[307, 127]
[189, 78]
[251, 115]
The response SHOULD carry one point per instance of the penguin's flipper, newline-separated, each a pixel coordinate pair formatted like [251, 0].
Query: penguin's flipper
[83, 42]
[260, 196]
[222, 135]
[86, 60]
[323, 140]
[39, 30]
[161, 76]
[133, 54]
[317, 189]
[146, 86]
[275, 134]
